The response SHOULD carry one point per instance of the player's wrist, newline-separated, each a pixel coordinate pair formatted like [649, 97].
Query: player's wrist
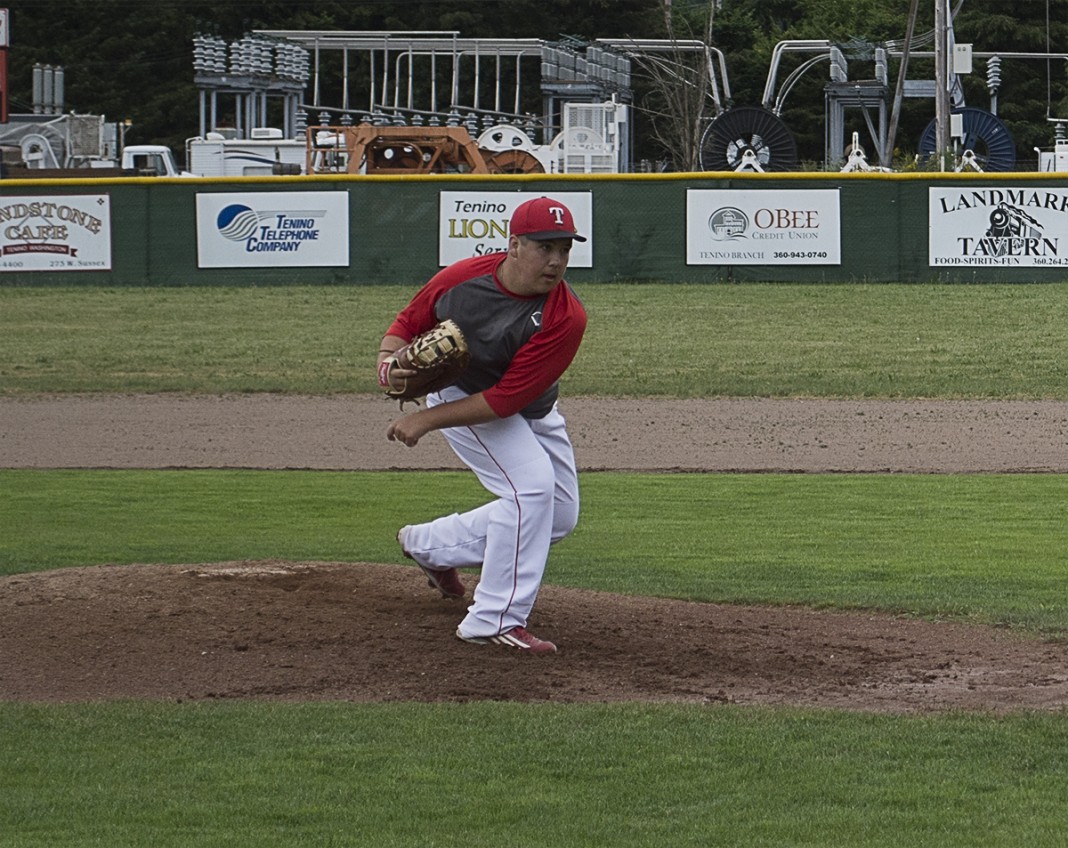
[383, 373]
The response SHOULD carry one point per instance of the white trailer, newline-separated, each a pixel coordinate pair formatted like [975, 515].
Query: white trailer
[266, 153]
[1055, 160]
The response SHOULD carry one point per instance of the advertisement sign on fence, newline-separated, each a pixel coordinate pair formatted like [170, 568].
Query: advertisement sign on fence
[55, 233]
[473, 223]
[1008, 227]
[732, 227]
[272, 229]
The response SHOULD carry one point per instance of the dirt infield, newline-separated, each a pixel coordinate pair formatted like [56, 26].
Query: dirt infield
[374, 632]
[731, 434]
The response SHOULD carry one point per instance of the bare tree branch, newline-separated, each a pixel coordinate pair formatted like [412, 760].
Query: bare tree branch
[681, 87]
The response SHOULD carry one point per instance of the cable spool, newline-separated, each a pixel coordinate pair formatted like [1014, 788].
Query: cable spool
[748, 138]
[505, 137]
[984, 135]
[512, 162]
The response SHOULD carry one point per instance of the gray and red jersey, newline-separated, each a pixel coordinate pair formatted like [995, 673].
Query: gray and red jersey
[520, 346]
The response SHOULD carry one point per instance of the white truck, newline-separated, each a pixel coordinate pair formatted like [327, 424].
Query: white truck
[154, 159]
[88, 146]
[214, 156]
[265, 154]
[136, 160]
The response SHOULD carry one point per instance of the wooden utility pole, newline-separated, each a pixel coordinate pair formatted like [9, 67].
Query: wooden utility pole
[942, 108]
[899, 90]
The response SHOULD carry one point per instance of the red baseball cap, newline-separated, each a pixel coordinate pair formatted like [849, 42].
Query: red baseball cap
[542, 219]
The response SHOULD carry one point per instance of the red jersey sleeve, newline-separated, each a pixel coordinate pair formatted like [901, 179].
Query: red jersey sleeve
[419, 315]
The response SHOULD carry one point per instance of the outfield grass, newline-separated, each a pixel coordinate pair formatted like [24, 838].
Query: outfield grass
[1003, 341]
[985, 548]
[205, 775]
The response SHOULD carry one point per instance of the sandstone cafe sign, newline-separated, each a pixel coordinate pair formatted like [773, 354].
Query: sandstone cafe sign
[1007, 227]
[55, 233]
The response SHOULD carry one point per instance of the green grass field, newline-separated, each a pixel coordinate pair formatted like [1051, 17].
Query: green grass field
[1004, 341]
[983, 548]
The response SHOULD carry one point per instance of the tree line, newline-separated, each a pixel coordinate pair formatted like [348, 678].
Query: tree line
[131, 60]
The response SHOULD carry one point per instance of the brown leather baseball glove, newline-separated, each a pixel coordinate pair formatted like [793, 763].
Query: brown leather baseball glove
[429, 362]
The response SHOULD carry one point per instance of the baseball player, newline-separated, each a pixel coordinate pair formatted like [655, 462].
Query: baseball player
[523, 325]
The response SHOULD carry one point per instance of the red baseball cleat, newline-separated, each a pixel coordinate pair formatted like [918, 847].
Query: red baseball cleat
[517, 637]
[445, 580]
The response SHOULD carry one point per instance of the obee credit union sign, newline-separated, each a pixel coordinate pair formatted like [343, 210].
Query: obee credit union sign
[763, 227]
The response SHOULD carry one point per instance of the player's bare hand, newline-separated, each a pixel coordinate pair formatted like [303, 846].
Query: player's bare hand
[406, 430]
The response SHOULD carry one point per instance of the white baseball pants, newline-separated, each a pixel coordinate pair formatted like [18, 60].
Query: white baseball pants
[530, 467]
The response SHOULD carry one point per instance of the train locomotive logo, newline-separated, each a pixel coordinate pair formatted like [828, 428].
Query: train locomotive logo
[1013, 233]
[1012, 222]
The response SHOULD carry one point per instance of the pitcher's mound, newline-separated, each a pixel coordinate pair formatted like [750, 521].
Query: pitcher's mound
[373, 632]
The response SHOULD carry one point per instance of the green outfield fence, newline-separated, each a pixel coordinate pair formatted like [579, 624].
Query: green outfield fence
[870, 227]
